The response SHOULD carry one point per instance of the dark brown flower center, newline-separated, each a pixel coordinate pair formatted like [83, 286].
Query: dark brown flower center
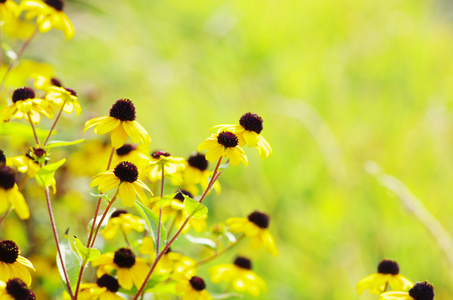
[2, 157]
[57, 4]
[179, 196]
[388, 267]
[422, 291]
[227, 139]
[126, 171]
[251, 122]
[198, 161]
[123, 110]
[158, 154]
[2, 1]
[7, 177]
[23, 93]
[197, 283]
[72, 91]
[18, 290]
[118, 213]
[9, 252]
[243, 263]
[108, 282]
[55, 82]
[124, 258]
[259, 219]
[125, 149]
[39, 152]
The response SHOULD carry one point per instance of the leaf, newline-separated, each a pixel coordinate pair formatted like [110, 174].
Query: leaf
[87, 254]
[194, 208]
[9, 52]
[153, 281]
[166, 199]
[201, 241]
[107, 198]
[54, 144]
[45, 175]
[71, 261]
[230, 236]
[152, 222]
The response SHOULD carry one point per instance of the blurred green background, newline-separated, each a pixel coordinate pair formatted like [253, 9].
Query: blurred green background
[338, 84]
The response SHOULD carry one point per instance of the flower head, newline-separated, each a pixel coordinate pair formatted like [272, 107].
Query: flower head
[163, 160]
[15, 289]
[255, 228]
[13, 265]
[25, 105]
[224, 143]
[420, 291]
[105, 288]
[44, 82]
[192, 287]
[388, 274]
[64, 97]
[121, 124]
[49, 14]
[10, 195]
[240, 275]
[130, 152]
[125, 177]
[121, 219]
[8, 10]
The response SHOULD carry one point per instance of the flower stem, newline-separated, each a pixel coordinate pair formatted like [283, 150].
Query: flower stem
[158, 257]
[217, 254]
[34, 131]
[5, 214]
[160, 212]
[54, 123]
[102, 218]
[54, 229]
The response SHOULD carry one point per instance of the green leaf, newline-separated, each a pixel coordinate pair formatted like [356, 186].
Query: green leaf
[54, 144]
[167, 198]
[153, 281]
[152, 222]
[201, 241]
[9, 52]
[194, 208]
[45, 175]
[230, 236]
[71, 261]
[106, 197]
[87, 254]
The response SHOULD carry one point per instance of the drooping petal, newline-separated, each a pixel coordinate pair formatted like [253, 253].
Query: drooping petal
[127, 193]
[118, 136]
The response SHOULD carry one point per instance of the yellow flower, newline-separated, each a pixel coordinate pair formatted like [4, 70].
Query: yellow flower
[25, 105]
[224, 143]
[255, 228]
[11, 289]
[122, 219]
[240, 275]
[13, 265]
[130, 270]
[94, 154]
[192, 287]
[49, 14]
[248, 132]
[8, 10]
[387, 275]
[44, 82]
[132, 153]
[125, 177]
[65, 97]
[121, 124]
[196, 172]
[163, 159]
[10, 195]
[420, 291]
[105, 288]
[18, 29]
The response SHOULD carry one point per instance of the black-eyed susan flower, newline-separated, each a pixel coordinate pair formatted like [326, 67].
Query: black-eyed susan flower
[15, 289]
[130, 152]
[196, 172]
[192, 287]
[49, 14]
[28, 163]
[121, 124]
[388, 274]
[224, 143]
[8, 10]
[125, 178]
[163, 160]
[25, 105]
[65, 98]
[175, 208]
[105, 288]
[240, 275]
[249, 132]
[124, 221]
[420, 291]
[10, 195]
[255, 228]
[130, 270]
[13, 265]
[43, 81]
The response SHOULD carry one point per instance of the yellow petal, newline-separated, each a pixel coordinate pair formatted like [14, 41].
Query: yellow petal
[118, 136]
[127, 193]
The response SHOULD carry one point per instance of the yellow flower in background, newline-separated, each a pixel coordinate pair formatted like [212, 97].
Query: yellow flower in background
[125, 177]
[8, 10]
[192, 287]
[64, 97]
[10, 195]
[121, 124]
[13, 265]
[122, 220]
[224, 143]
[420, 291]
[255, 228]
[132, 153]
[105, 288]
[163, 160]
[18, 29]
[43, 82]
[387, 275]
[248, 132]
[196, 172]
[13, 288]
[240, 275]
[49, 14]
[94, 154]
[176, 208]
[25, 105]
[130, 270]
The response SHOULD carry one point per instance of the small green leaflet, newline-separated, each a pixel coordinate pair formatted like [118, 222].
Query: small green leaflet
[201, 241]
[152, 222]
[9, 52]
[87, 254]
[54, 144]
[194, 208]
[71, 261]
[45, 175]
